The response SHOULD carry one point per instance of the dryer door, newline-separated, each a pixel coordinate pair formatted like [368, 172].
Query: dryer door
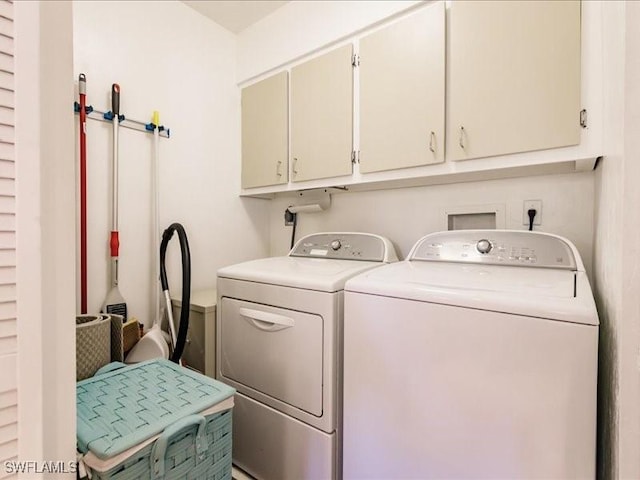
[275, 351]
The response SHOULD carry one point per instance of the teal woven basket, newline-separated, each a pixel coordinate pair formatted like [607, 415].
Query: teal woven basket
[155, 420]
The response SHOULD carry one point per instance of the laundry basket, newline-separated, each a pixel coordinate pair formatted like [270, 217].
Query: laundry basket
[93, 344]
[154, 420]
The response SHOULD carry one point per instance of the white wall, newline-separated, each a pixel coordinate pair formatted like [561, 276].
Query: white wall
[301, 27]
[405, 215]
[616, 252]
[629, 338]
[169, 58]
[608, 240]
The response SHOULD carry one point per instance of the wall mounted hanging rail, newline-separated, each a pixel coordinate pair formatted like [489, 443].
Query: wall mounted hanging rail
[94, 114]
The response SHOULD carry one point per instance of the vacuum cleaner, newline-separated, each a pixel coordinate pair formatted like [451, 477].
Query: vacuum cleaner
[153, 344]
[180, 339]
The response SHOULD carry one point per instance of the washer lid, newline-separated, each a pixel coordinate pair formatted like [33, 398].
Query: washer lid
[538, 292]
[480, 278]
[322, 274]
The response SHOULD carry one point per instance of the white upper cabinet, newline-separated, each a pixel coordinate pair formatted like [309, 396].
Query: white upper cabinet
[515, 87]
[265, 132]
[322, 116]
[513, 77]
[402, 93]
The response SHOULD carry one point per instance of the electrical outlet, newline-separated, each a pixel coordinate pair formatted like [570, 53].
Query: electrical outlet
[288, 218]
[537, 206]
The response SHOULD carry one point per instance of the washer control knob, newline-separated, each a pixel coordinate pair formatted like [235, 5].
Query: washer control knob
[483, 246]
[335, 245]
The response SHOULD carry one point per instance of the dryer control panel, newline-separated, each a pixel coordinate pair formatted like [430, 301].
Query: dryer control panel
[345, 246]
[496, 247]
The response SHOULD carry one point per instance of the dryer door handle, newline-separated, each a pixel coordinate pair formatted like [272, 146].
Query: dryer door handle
[269, 322]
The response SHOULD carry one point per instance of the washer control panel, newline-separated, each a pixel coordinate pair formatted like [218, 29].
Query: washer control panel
[344, 246]
[496, 247]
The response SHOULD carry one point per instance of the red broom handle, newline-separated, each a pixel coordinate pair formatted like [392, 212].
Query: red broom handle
[82, 89]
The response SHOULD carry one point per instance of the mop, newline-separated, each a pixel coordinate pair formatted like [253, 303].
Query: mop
[114, 302]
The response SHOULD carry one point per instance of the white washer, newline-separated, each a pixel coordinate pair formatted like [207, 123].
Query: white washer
[280, 345]
[475, 358]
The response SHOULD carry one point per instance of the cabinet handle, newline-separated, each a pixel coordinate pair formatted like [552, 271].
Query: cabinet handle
[461, 138]
[295, 166]
[278, 172]
[432, 142]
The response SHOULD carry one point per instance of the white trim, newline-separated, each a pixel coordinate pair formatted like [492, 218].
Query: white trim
[46, 223]
[29, 271]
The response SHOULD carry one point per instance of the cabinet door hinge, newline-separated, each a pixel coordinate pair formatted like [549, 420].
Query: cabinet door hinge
[355, 60]
[583, 118]
[355, 156]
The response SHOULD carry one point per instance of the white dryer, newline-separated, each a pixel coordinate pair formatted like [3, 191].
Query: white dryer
[279, 344]
[475, 358]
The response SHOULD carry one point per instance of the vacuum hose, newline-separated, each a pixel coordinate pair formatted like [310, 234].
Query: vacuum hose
[186, 284]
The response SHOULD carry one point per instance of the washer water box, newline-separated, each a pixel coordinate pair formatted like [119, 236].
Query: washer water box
[154, 420]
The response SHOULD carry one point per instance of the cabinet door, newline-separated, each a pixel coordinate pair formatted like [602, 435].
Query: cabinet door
[514, 77]
[322, 116]
[264, 132]
[402, 93]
